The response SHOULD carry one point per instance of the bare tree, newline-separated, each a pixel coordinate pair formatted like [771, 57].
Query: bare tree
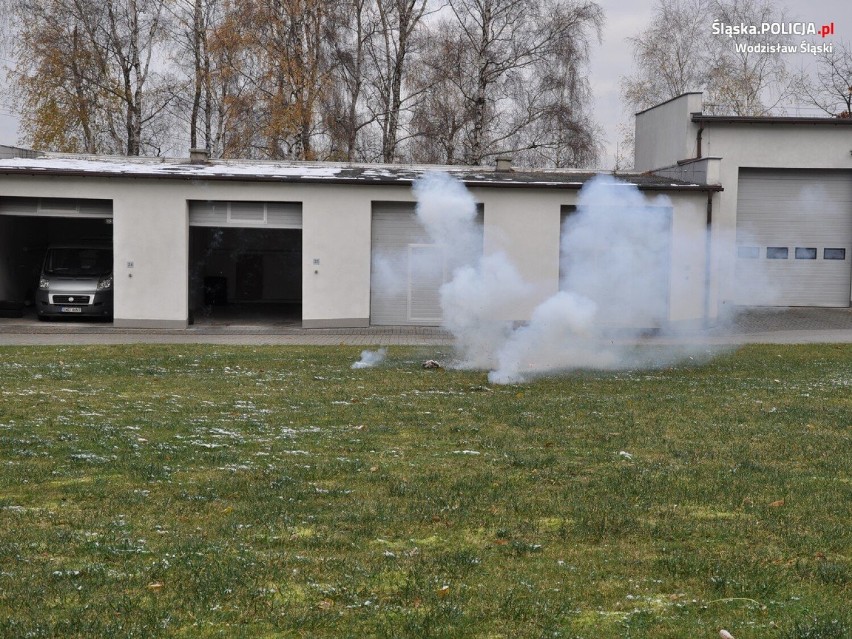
[830, 87]
[512, 72]
[441, 117]
[345, 111]
[81, 63]
[743, 81]
[679, 52]
[671, 55]
[390, 55]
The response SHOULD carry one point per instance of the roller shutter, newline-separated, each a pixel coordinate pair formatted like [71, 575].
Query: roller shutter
[794, 238]
[273, 215]
[408, 270]
[55, 207]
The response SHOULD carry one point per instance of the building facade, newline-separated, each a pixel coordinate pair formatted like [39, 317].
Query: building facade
[186, 235]
[782, 226]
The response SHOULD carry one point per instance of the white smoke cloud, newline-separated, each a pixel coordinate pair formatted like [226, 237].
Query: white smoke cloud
[616, 253]
[371, 358]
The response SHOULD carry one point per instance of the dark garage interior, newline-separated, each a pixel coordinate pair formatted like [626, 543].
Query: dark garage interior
[245, 275]
[23, 243]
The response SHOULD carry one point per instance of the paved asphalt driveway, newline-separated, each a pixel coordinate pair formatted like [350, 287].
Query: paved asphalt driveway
[769, 326]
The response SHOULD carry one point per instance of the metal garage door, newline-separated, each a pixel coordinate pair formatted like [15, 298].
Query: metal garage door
[794, 238]
[55, 207]
[408, 270]
[273, 215]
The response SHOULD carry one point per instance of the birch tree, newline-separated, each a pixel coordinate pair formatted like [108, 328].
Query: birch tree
[275, 70]
[346, 113]
[521, 86]
[391, 57]
[84, 71]
[192, 25]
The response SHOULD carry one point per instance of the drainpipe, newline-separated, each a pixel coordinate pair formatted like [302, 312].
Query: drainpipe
[698, 140]
[708, 257]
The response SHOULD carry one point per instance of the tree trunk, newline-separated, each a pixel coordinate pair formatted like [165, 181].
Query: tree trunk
[197, 28]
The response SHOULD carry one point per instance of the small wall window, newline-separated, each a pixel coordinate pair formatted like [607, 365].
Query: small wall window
[748, 252]
[777, 252]
[834, 254]
[803, 253]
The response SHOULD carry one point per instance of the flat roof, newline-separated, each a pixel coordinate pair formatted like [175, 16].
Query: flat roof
[745, 119]
[321, 173]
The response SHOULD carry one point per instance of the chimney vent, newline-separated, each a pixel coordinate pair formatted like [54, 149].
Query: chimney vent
[199, 156]
[503, 165]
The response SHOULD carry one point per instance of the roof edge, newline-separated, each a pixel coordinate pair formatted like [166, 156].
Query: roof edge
[672, 185]
[748, 119]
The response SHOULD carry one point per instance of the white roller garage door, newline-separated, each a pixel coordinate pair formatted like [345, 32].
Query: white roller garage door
[272, 215]
[408, 270]
[55, 207]
[794, 238]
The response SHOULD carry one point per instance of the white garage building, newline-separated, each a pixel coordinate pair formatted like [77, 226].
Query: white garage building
[775, 194]
[782, 231]
[180, 230]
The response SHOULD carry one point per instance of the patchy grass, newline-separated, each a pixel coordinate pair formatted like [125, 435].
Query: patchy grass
[195, 491]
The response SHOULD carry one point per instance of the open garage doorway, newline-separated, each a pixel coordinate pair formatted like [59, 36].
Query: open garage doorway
[28, 228]
[245, 264]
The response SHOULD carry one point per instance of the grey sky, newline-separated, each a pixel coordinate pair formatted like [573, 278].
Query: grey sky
[612, 59]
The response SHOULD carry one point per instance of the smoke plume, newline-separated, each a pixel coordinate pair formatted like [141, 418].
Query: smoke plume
[371, 358]
[615, 252]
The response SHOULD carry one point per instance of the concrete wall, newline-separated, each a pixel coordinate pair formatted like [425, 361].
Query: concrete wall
[336, 233]
[151, 253]
[665, 133]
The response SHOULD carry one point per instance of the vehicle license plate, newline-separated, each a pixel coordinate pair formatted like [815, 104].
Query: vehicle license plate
[70, 309]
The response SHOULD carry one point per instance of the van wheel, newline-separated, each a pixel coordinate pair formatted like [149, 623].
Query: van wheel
[43, 318]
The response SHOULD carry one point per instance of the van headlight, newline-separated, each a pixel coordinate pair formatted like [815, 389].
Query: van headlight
[43, 283]
[105, 283]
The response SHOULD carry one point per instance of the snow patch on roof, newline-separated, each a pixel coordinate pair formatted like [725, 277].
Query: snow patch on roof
[163, 168]
[292, 171]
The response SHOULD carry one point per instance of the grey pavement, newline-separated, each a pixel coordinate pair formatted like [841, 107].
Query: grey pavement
[769, 326]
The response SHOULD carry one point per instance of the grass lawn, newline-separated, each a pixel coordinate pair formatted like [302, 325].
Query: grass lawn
[201, 491]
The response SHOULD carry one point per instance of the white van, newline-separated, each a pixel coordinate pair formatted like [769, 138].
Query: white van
[76, 281]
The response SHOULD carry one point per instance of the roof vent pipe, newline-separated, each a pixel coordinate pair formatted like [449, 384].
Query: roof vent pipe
[199, 156]
[503, 165]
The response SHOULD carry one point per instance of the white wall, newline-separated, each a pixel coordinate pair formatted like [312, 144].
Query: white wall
[689, 277]
[665, 133]
[336, 231]
[150, 229]
[525, 226]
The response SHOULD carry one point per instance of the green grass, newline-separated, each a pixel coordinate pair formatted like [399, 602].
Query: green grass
[200, 491]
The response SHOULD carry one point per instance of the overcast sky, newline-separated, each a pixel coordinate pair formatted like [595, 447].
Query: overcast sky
[612, 59]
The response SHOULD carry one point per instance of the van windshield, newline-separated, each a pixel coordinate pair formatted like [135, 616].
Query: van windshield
[76, 262]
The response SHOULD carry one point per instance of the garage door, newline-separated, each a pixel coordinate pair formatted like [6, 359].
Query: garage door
[55, 207]
[272, 215]
[794, 238]
[408, 269]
